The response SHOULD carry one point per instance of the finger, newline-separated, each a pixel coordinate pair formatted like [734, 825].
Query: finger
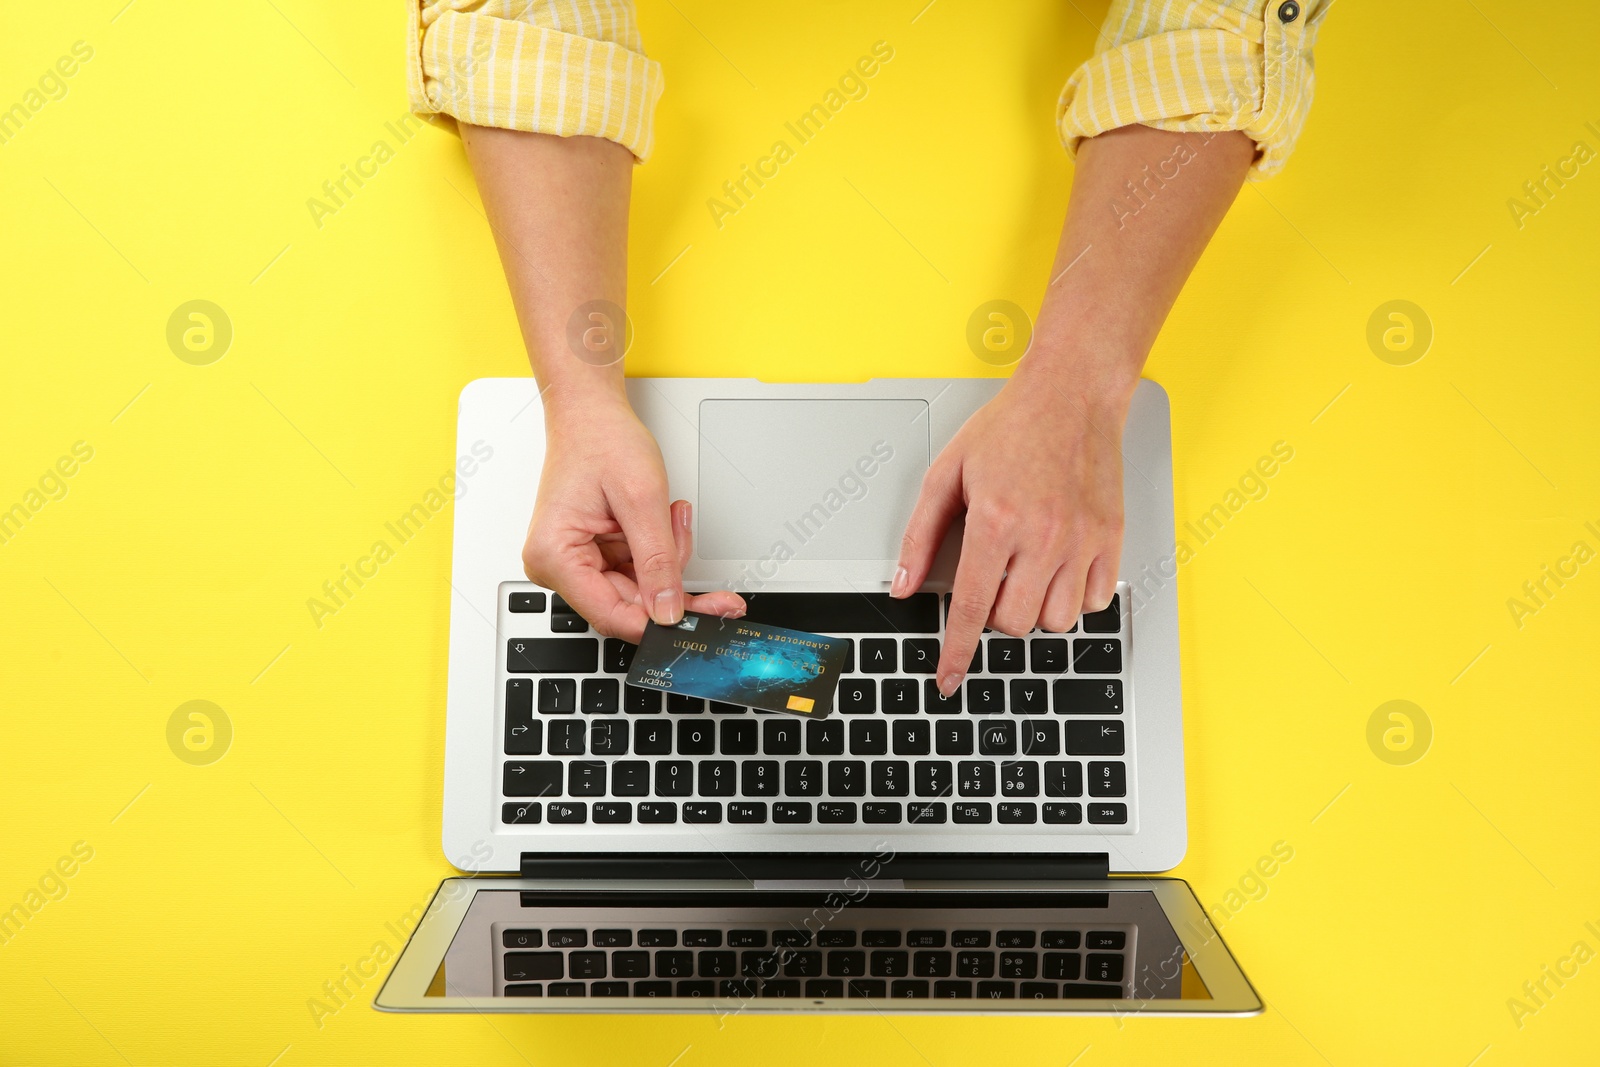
[604, 598]
[727, 604]
[1063, 599]
[721, 602]
[983, 561]
[647, 522]
[1016, 609]
[1101, 585]
[938, 504]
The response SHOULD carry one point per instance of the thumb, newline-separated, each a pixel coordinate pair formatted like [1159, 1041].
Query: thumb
[938, 504]
[646, 522]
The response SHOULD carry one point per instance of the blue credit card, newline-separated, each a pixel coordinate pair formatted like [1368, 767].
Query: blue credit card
[771, 668]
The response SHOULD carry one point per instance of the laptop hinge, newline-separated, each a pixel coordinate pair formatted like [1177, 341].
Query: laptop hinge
[989, 866]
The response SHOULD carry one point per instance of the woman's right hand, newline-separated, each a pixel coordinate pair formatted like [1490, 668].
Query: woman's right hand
[603, 534]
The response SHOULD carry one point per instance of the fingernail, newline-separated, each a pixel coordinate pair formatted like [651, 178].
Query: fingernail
[688, 512]
[948, 685]
[668, 607]
[897, 588]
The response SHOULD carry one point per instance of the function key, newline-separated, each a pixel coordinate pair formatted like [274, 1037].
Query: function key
[1014, 939]
[613, 811]
[791, 811]
[1111, 939]
[1018, 812]
[1108, 813]
[526, 603]
[971, 811]
[791, 938]
[925, 939]
[525, 813]
[836, 938]
[1059, 939]
[840, 811]
[658, 811]
[522, 939]
[880, 938]
[613, 939]
[658, 938]
[970, 939]
[1069, 814]
[702, 939]
[1108, 621]
[747, 939]
[747, 811]
[565, 938]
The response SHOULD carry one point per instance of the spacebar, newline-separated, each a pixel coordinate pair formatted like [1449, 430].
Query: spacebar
[846, 613]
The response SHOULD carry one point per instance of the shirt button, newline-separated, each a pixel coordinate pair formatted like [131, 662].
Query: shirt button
[1288, 11]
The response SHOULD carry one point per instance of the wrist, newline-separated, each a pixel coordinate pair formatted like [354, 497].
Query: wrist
[1098, 380]
[582, 392]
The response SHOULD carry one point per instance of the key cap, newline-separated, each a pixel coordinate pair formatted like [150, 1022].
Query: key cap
[953, 737]
[1028, 696]
[1070, 814]
[881, 938]
[639, 701]
[672, 964]
[836, 938]
[747, 811]
[1059, 939]
[909, 988]
[849, 656]
[1016, 812]
[524, 733]
[696, 737]
[652, 737]
[524, 814]
[887, 964]
[617, 656]
[803, 964]
[524, 989]
[567, 623]
[877, 655]
[656, 938]
[891, 778]
[847, 778]
[718, 778]
[780, 987]
[1040, 991]
[1063, 779]
[975, 964]
[936, 702]
[586, 964]
[1041, 737]
[910, 738]
[738, 988]
[802, 778]
[997, 990]
[739, 737]
[929, 812]
[1103, 812]
[1062, 966]
[552, 655]
[870, 737]
[1015, 939]
[975, 778]
[525, 603]
[934, 778]
[557, 696]
[652, 989]
[780, 737]
[523, 939]
[857, 695]
[866, 987]
[566, 737]
[539, 778]
[970, 939]
[952, 990]
[586, 778]
[658, 811]
[694, 987]
[1094, 737]
[759, 778]
[919, 655]
[1103, 967]
[678, 704]
[612, 938]
[997, 738]
[1108, 780]
[925, 939]
[1108, 621]
[1049, 655]
[702, 939]
[600, 696]
[718, 964]
[630, 778]
[880, 812]
[1019, 964]
[630, 964]
[720, 707]
[825, 737]
[824, 988]
[568, 811]
[747, 938]
[758, 963]
[1107, 939]
[1006, 655]
[843, 811]
[534, 966]
[1088, 696]
[986, 696]
[791, 811]
[608, 737]
[899, 696]
[1019, 778]
[674, 778]
[971, 812]
[847, 964]
[1096, 656]
[568, 989]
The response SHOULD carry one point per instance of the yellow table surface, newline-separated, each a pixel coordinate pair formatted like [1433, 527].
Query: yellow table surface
[175, 564]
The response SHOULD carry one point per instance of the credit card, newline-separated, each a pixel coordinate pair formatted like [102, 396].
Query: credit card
[767, 667]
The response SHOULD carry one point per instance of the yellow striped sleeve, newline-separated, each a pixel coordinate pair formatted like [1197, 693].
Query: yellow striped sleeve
[564, 67]
[1199, 65]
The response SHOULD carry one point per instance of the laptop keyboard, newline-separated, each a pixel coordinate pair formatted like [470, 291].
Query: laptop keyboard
[744, 959]
[1037, 738]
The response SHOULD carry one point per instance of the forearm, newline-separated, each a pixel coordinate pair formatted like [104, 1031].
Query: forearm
[558, 207]
[1144, 203]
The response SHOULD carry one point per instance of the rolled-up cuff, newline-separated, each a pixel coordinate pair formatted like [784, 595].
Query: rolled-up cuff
[1222, 70]
[518, 66]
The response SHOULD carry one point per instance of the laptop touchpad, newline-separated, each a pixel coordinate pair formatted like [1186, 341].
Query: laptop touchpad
[825, 479]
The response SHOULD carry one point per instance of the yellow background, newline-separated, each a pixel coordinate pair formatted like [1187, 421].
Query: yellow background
[1419, 898]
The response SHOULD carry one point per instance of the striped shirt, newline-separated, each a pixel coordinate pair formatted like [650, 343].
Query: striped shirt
[570, 67]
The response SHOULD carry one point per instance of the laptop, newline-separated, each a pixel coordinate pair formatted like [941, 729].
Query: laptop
[634, 851]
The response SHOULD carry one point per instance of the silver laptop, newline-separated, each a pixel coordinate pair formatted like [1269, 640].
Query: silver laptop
[638, 851]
